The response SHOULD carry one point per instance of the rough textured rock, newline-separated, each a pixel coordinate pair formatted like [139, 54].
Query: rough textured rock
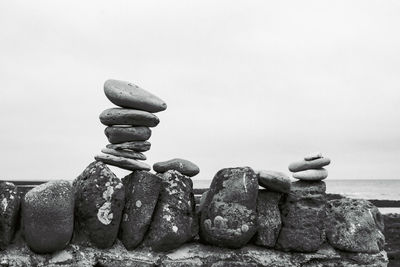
[229, 217]
[355, 225]
[99, 201]
[174, 221]
[122, 116]
[309, 164]
[9, 212]
[268, 218]
[303, 218]
[139, 146]
[48, 216]
[124, 153]
[183, 166]
[274, 181]
[124, 163]
[192, 254]
[311, 175]
[121, 134]
[141, 194]
[129, 95]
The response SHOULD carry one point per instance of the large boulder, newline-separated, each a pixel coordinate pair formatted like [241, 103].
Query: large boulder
[48, 216]
[99, 201]
[174, 220]
[142, 189]
[268, 218]
[9, 211]
[355, 225]
[129, 95]
[228, 216]
[303, 217]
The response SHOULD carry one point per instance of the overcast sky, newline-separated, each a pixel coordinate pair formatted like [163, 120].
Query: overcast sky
[256, 83]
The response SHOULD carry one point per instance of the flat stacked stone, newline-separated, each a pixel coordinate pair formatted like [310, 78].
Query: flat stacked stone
[183, 166]
[128, 126]
[310, 168]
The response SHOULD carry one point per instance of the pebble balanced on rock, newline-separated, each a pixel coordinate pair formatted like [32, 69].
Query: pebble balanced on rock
[310, 168]
[128, 127]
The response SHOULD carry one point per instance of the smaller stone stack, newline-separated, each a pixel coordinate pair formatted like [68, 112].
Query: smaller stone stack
[311, 168]
[129, 126]
[304, 209]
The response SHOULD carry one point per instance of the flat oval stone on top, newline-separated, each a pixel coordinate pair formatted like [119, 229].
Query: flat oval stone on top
[129, 95]
[183, 166]
[123, 116]
[120, 134]
[308, 165]
[313, 156]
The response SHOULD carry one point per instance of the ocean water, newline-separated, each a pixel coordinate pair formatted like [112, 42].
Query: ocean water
[352, 188]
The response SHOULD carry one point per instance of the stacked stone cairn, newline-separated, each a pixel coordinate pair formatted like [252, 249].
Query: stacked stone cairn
[129, 126]
[152, 214]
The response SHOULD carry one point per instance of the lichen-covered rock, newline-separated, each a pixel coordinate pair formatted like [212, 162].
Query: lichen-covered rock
[142, 189]
[229, 217]
[274, 181]
[355, 225]
[9, 212]
[303, 217]
[183, 166]
[48, 216]
[191, 254]
[174, 220]
[99, 200]
[268, 218]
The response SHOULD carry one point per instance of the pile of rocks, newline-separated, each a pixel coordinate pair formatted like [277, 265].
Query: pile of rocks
[310, 168]
[129, 126]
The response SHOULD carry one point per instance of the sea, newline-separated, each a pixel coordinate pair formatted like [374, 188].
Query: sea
[352, 188]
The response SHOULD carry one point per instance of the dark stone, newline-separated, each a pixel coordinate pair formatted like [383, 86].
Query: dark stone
[229, 217]
[141, 194]
[121, 134]
[268, 218]
[122, 116]
[99, 201]
[9, 212]
[174, 221]
[303, 218]
[48, 216]
[274, 181]
[183, 166]
[129, 95]
[355, 225]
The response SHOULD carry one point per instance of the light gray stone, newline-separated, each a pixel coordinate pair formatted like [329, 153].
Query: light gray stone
[311, 175]
[123, 163]
[274, 181]
[124, 153]
[308, 165]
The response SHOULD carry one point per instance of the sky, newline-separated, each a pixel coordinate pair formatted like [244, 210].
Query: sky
[247, 83]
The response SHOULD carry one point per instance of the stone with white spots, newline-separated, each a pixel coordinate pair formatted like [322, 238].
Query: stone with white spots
[9, 210]
[142, 190]
[99, 201]
[355, 225]
[48, 216]
[183, 166]
[228, 216]
[174, 220]
[128, 95]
